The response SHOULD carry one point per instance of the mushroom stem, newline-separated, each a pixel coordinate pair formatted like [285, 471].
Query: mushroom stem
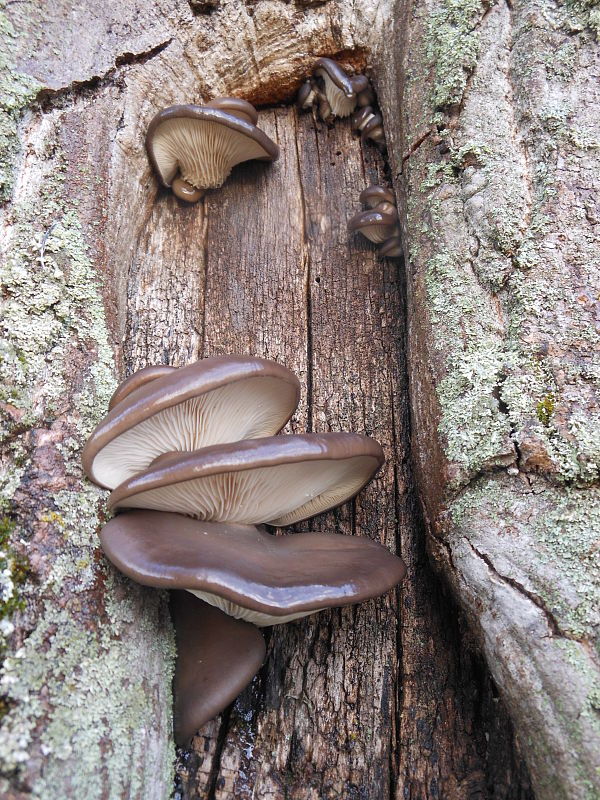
[185, 191]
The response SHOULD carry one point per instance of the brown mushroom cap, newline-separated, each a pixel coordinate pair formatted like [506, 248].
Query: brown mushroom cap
[139, 378]
[203, 144]
[361, 117]
[339, 90]
[217, 657]
[392, 247]
[279, 479]
[373, 195]
[215, 400]
[376, 225]
[306, 95]
[238, 108]
[245, 571]
[373, 129]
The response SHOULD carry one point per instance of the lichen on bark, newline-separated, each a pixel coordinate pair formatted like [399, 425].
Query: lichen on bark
[86, 681]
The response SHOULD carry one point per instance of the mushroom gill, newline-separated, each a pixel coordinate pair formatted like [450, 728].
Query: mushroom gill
[200, 145]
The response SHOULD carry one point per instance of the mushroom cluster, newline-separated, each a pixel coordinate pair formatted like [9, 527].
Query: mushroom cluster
[192, 457]
[379, 223]
[370, 125]
[194, 148]
[335, 93]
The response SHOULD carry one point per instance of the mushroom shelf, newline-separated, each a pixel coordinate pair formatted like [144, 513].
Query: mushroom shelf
[163, 438]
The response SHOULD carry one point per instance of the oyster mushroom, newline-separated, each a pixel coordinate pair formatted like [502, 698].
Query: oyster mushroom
[370, 125]
[392, 247]
[380, 223]
[194, 148]
[245, 571]
[373, 196]
[215, 400]
[139, 378]
[217, 657]
[341, 91]
[376, 225]
[278, 480]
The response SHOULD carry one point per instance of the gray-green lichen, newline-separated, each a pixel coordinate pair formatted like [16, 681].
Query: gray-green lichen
[452, 46]
[557, 557]
[491, 274]
[17, 90]
[88, 692]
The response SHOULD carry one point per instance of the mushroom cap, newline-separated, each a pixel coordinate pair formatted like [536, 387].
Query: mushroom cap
[361, 117]
[204, 143]
[373, 129]
[306, 95]
[359, 83]
[139, 378]
[245, 571]
[238, 108]
[279, 479]
[217, 657]
[339, 90]
[392, 247]
[373, 195]
[215, 400]
[376, 225]
[185, 191]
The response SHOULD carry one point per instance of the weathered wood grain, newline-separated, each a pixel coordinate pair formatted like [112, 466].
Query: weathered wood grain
[374, 701]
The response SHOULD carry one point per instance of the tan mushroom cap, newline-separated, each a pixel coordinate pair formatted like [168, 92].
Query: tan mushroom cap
[372, 196]
[215, 400]
[245, 571]
[236, 107]
[139, 378]
[203, 143]
[377, 226]
[217, 657]
[279, 480]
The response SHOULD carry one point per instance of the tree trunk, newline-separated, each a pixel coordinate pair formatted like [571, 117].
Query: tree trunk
[493, 136]
[389, 699]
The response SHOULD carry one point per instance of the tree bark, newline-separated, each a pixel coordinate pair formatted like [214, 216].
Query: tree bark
[491, 115]
[390, 699]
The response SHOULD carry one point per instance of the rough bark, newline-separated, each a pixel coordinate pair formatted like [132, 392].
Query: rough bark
[388, 700]
[491, 114]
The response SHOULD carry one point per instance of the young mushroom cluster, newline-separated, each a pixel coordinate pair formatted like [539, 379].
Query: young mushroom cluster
[379, 223]
[194, 148]
[335, 93]
[192, 458]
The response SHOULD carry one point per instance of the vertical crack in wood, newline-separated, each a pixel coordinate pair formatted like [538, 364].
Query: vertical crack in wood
[211, 785]
[308, 287]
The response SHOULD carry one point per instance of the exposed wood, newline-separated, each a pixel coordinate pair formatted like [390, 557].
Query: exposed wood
[375, 701]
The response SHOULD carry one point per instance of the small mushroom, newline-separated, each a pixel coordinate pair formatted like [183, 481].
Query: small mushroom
[245, 571]
[370, 125]
[392, 247]
[241, 109]
[279, 480]
[194, 148]
[306, 95]
[373, 196]
[215, 400]
[376, 225]
[139, 378]
[339, 90]
[373, 130]
[217, 657]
